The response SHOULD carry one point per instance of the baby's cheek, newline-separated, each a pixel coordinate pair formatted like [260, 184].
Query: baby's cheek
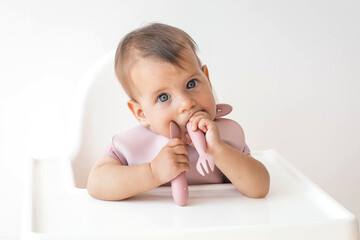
[212, 108]
[161, 129]
[166, 132]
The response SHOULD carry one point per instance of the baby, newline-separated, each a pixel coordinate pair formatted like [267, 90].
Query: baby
[159, 69]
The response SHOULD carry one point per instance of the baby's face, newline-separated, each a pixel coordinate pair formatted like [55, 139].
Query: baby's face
[166, 92]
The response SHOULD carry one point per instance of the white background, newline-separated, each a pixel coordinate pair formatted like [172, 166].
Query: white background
[292, 68]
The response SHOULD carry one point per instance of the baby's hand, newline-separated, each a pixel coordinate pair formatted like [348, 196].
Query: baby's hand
[171, 161]
[201, 120]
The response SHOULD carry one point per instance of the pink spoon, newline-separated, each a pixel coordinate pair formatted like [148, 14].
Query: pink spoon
[179, 185]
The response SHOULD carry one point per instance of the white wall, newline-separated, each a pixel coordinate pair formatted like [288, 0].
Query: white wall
[292, 66]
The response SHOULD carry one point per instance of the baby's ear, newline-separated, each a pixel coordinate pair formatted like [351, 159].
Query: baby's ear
[137, 111]
[205, 70]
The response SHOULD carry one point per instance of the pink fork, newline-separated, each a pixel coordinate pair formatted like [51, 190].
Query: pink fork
[198, 139]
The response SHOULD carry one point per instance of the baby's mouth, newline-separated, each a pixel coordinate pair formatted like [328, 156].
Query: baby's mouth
[183, 130]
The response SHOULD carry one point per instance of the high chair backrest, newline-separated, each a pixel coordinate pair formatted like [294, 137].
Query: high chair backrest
[100, 113]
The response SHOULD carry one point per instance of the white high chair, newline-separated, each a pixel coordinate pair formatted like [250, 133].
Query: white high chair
[58, 206]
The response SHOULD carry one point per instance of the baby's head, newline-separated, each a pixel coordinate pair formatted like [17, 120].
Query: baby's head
[158, 68]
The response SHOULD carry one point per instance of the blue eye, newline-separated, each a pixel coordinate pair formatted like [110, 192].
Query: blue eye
[191, 84]
[163, 97]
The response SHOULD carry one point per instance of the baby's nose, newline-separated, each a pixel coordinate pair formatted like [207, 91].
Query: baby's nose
[186, 104]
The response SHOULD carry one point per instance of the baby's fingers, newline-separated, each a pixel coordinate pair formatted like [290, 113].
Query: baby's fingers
[174, 142]
[177, 146]
[196, 118]
[181, 164]
[182, 159]
[180, 150]
[205, 125]
[183, 167]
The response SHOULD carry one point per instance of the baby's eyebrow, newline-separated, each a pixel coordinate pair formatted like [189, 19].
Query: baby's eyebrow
[157, 91]
[191, 76]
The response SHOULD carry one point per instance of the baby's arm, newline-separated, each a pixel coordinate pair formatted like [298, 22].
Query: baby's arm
[247, 174]
[110, 180]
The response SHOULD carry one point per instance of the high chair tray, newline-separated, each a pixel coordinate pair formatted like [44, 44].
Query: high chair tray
[295, 208]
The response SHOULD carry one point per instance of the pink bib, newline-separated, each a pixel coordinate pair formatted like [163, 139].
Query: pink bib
[139, 145]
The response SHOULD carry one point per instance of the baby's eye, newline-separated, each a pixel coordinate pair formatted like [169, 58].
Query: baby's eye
[191, 84]
[163, 97]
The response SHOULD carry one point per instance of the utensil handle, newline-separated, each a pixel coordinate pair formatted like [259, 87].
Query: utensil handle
[197, 138]
[179, 186]
[179, 189]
